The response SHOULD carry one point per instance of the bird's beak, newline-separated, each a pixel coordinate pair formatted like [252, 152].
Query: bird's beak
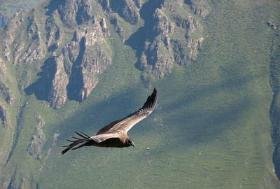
[133, 144]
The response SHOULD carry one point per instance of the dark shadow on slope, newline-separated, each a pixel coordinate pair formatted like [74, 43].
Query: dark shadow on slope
[188, 2]
[52, 6]
[41, 88]
[3, 21]
[145, 33]
[188, 127]
[76, 79]
[275, 104]
[194, 95]
[122, 9]
[203, 126]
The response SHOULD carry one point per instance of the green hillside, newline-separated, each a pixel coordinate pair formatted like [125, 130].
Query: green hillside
[211, 128]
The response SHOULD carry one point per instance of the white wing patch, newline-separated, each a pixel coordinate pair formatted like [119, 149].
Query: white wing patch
[102, 137]
[133, 122]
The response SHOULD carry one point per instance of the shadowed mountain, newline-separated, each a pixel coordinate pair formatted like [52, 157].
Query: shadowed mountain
[76, 79]
[137, 39]
[42, 87]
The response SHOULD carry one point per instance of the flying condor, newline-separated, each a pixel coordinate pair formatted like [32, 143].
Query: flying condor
[115, 133]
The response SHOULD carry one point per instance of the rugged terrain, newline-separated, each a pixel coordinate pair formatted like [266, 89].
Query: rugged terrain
[66, 64]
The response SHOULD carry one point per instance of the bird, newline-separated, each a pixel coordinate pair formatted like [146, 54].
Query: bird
[115, 134]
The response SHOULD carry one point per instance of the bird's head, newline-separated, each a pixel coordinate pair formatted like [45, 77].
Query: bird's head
[130, 143]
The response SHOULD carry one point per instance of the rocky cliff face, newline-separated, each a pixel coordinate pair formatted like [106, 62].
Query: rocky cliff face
[52, 34]
[58, 51]
[23, 27]
[174, 34]
[68, 45]
[5, 92]
[58, 94]
[76, 12]
[3, 116]
[71, 72]
[38, 139]
[79, 63]
[127, 9]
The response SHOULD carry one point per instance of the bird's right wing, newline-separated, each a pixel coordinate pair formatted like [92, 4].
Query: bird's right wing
[125, 124]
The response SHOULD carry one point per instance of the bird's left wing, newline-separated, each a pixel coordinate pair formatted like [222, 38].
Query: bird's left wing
[125, 124]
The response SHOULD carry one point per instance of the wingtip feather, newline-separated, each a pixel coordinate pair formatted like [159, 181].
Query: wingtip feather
[151, 100]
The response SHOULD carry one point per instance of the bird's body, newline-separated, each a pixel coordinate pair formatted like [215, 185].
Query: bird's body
[115, 133]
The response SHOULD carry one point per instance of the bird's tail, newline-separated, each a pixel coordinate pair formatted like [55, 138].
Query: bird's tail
[77, 142]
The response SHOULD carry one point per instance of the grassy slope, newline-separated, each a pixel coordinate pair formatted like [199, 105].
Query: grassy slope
[211, 128]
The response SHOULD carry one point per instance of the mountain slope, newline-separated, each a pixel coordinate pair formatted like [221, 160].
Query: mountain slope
[66, 64]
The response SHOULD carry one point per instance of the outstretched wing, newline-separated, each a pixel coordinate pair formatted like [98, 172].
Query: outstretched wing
[129, 121]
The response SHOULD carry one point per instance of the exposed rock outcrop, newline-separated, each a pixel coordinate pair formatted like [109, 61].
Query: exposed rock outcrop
[3, 21]
[52, 34]
[76, 12]
[58, 92]
[3, 116]
[10, 32]
[5, 92]
[72, 71]
[23, 46]
[127, 9]
[75, 32]
[38, 139]
[91, 61]
[171, 36]
[80, 63]
[34, 50]
[272, 25]
[200, 7]
[31, 48]
[157, 56]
